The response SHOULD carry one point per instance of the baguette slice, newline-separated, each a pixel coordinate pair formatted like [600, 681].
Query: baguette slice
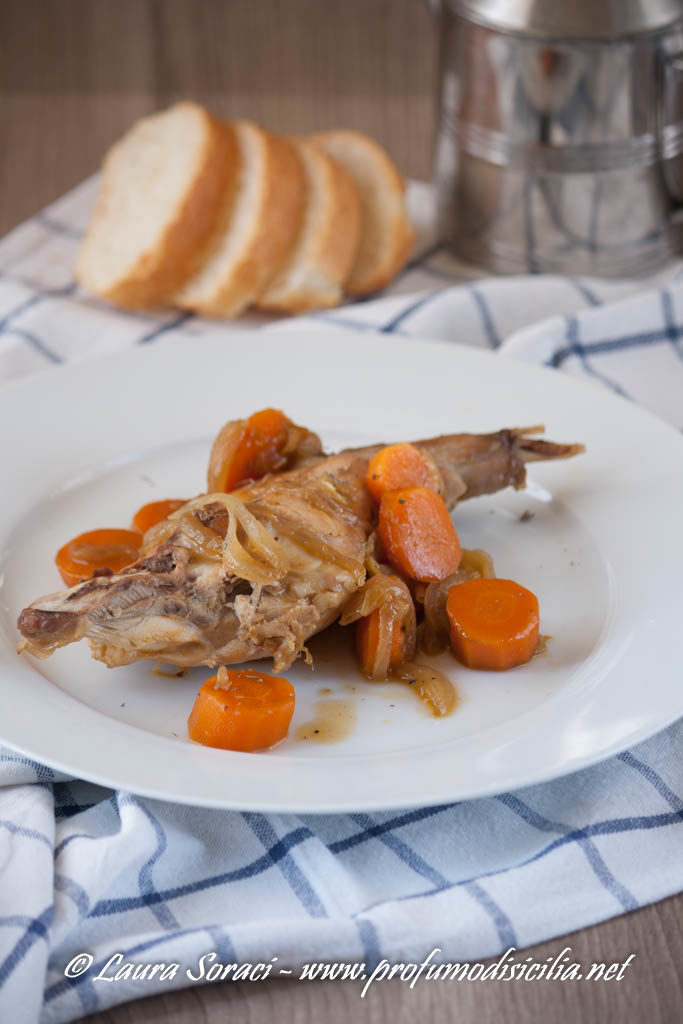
[257, 231]
[386, 233]
[163, 185]
[313, 275]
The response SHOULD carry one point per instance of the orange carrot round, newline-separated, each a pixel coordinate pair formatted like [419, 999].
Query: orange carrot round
[418, 535]
[155, 512]
[98, 551]
[493, 623]
[241, 709]
[248, 449]
[401, 465]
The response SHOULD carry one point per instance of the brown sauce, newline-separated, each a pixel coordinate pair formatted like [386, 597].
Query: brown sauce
[333, 720]
[541, 646]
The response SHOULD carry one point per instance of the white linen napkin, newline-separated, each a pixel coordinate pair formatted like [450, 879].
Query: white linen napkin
[88, 872]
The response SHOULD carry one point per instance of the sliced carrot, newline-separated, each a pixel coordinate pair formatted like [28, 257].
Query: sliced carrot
[155, 512]
[98, 551]
[240, 709]
[493, 623]
[401, 465]
[248, 449]
[418, 535]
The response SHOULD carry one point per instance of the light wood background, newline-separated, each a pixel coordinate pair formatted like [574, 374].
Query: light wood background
[73, 75]
[651, 991]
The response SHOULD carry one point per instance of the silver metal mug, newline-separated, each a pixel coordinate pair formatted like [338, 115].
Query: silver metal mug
[560, 140]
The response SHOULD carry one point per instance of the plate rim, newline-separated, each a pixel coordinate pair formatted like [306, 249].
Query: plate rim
[172, 348]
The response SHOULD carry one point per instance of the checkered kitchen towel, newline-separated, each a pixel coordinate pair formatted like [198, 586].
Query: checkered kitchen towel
[88, 870]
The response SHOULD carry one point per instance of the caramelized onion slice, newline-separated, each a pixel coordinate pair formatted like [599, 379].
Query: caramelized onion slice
[391, 598]
[374, 593]
[245, 544]
[248, 551]
[255, 556]
[431, 686]
[477, 562]
[434, 630]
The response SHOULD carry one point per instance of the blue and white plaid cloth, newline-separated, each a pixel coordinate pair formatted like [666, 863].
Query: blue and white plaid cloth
[84, 869]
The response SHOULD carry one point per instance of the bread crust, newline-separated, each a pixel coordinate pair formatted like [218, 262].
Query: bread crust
[368, 276]
[274, 226]
[222, 243]
[331, 250]
[159, 271]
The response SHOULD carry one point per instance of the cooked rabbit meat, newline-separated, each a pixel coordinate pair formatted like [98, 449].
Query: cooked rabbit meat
[254, 574]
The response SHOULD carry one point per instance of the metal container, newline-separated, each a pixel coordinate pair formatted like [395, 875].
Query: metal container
[560, 135]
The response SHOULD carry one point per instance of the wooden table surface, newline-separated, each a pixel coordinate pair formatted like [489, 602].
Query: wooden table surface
[73, 75]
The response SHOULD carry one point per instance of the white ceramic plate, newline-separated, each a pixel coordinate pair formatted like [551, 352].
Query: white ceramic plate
[84, 446]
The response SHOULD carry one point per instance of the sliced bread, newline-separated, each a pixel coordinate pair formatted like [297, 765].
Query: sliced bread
[258, 229]
[162, 188]
[313, 275]
[386, 233]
